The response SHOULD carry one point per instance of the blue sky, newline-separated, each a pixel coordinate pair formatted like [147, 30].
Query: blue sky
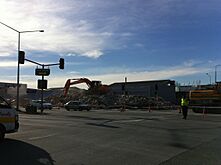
[109, 40]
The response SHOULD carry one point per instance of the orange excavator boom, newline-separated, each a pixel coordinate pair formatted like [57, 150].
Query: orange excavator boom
[94, 85]
[77, 81]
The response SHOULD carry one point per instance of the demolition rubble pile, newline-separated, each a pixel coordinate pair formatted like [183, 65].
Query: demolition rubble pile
[128, 101]
[114, 101]
[109, 101]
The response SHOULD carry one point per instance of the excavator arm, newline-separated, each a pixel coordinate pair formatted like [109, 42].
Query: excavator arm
[94, 86]
[77, 81]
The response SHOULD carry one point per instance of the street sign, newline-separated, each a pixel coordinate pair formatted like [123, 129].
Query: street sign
[42, 72]
[42, 84]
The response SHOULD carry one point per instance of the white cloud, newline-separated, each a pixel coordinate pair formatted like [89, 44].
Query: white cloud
[71, 55]
[170, 73]
[62, 34]
[126, 34]
[191, 63]
[93, 53]
[11, 64]
[139, 45]
[72, 27]
[89, 28]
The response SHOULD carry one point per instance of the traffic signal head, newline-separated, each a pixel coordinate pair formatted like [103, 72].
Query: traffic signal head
[61, 63]
[21, 57]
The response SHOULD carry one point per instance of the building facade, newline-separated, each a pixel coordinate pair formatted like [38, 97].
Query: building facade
[159, 88]
[10, 90]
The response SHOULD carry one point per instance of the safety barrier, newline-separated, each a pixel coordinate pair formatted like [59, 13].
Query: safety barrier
[197, 109]
[206, 109]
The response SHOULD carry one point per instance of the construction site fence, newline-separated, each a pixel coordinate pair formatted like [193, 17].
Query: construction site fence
[206, 109]
[197, 109]
[174, 107]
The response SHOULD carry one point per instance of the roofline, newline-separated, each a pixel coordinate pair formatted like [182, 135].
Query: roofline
[132, 82]
[11, 83]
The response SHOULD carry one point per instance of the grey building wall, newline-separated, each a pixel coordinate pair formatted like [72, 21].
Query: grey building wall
[10, 89]
[162, 88]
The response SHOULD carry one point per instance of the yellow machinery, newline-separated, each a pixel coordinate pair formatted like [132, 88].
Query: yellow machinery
[208, 100]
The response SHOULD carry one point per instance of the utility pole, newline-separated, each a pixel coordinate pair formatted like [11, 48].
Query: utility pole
[216, 72]
[210, 81]
[124, 94]
[42, 92]
[18, 67]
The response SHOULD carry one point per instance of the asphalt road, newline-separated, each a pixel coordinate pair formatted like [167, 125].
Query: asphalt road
[103, 137]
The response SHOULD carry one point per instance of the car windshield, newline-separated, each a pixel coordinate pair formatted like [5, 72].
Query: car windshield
[3, 103]
[39, 101]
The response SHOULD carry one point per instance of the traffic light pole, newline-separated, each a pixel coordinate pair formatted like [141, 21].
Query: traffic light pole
[42, 93]
[18, 72]
[18, 68]
[42, 87]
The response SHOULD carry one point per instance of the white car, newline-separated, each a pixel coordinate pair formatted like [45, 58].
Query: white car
[37, 104]
[8, 119]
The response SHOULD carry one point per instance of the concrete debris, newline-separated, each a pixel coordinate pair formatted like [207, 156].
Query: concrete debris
[108, 101]
[114, 101]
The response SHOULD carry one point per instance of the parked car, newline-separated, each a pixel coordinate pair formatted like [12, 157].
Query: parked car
[76, 105]
[37, 104]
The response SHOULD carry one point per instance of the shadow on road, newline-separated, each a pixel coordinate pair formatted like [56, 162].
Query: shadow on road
[102, 125]
[177, 140]
[88, 118]
[22, 153]
[37, 113]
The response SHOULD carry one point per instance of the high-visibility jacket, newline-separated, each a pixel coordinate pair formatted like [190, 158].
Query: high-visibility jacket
[184, 102]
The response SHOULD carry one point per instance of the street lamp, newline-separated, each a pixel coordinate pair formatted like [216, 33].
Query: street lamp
[209, 78]
[216, 72]
[18, 68]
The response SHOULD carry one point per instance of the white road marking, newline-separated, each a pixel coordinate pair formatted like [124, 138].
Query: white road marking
[41, 137]
[127, 121]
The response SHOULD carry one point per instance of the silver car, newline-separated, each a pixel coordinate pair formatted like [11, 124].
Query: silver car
[76, 105]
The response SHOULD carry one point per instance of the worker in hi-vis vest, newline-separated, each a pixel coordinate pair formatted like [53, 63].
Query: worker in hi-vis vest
[184, 106]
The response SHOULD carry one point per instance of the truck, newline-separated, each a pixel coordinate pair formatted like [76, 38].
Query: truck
[8, 119]
[206, 100]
